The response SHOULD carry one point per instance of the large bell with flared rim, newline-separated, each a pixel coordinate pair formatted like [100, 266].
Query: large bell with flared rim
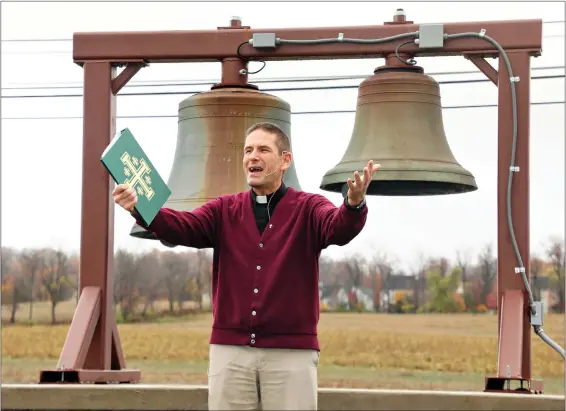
[210, 145]
[399, 125]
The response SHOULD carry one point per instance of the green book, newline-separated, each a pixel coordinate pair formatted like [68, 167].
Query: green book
[128, 164]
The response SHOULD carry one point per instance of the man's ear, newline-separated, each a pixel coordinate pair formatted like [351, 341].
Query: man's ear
[287, 158]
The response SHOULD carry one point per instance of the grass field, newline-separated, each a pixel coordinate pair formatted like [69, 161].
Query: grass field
[358, 350]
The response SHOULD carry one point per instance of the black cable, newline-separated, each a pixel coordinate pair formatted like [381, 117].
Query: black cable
[410, 61]
[294, 113]
[247, 60]
[271, 90]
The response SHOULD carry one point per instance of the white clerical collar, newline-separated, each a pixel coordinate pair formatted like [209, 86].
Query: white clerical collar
[261, 199]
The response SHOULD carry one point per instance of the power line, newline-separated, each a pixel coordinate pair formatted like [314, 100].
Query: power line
[58, 40]
[295, 113]
[172, 93]
[207, 82]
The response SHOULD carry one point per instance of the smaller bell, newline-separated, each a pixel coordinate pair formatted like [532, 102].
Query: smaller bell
[399, 125]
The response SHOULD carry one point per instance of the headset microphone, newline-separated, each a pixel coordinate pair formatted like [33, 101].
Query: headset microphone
[275, 169]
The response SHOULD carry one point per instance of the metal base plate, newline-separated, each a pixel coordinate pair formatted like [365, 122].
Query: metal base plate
[89, 376]
[509, 385]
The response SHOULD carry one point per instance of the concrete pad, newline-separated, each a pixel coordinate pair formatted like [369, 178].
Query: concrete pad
[142, 397]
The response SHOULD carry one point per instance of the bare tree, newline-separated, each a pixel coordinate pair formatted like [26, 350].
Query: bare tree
[537, 266]
[419, 273]
[555, 253]
[487, 265]
[56, 277]
[354, 266]
[32, 264]
[126, 282]
[440, 265]
[203, 275]
[175, 275]
[463, 264]
[328, 272]
[383, 268]
[149, 278]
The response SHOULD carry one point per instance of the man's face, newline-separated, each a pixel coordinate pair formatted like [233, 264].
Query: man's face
[262, 162]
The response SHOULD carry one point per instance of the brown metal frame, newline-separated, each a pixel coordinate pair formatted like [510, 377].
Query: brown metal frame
[92, 351]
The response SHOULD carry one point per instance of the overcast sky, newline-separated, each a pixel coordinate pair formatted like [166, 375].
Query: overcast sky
[41, 158]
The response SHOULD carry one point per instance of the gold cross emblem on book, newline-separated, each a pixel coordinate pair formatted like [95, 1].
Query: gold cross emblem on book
[139, 170]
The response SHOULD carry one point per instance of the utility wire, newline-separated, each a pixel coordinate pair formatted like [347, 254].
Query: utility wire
[207, 82]
[172, 93]
[294, 113]
[70, 39]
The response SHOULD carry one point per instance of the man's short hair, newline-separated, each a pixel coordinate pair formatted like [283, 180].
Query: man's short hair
[282, 140]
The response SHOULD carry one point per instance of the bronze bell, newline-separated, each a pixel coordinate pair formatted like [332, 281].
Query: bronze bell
[210, 145]
[399, 125]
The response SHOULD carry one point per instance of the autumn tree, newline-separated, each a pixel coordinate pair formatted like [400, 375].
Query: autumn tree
[13, 282]
[442, 290]
[381, 269]
[440, 265]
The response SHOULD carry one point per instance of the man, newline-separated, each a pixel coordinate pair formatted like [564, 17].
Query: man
[267, 243]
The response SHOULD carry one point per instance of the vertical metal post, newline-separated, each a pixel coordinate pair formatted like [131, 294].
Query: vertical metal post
[97, 218]
[92, 351]
[514, 351]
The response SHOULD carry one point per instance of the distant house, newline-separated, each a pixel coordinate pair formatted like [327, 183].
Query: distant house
[394, 284]
[335, 296]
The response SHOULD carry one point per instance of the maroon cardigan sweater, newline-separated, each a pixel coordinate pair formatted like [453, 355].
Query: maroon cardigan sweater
[264, 287]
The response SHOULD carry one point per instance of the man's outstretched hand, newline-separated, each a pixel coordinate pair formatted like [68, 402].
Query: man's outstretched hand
[357, 188]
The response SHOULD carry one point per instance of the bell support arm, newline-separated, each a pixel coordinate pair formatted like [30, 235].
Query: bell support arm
[214, 45]
[484, 67]
[126, 75]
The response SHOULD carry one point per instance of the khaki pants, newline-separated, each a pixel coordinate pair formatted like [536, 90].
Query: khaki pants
[242, 377]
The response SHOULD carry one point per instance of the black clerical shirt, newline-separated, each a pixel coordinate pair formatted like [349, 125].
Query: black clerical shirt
[260, 210]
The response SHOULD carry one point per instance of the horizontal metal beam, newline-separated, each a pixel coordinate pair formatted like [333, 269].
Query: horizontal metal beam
[214, 45]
